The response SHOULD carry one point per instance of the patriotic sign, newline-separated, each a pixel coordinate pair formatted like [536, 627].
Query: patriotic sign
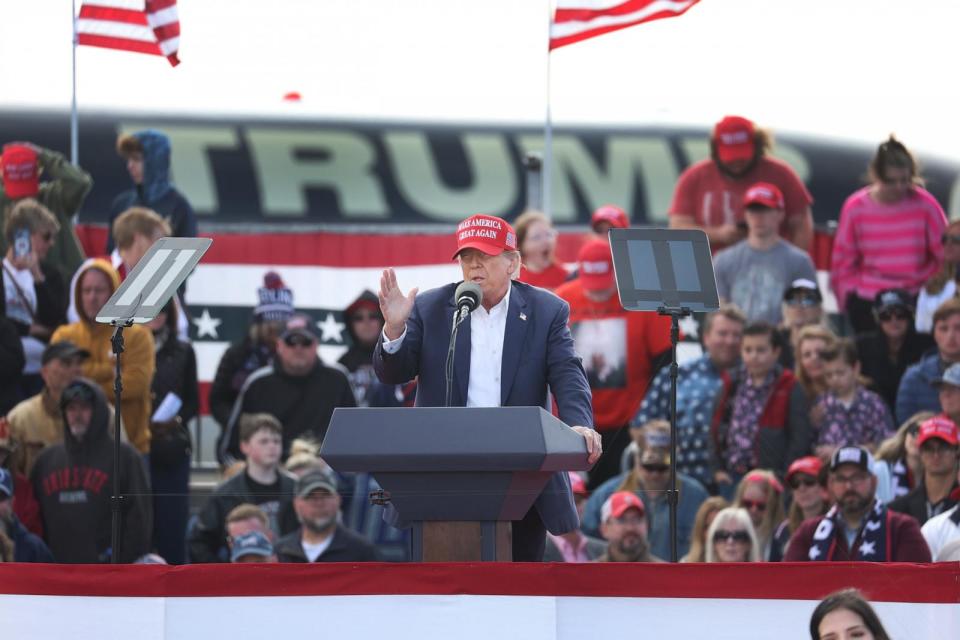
[142, 26]
[577, 20]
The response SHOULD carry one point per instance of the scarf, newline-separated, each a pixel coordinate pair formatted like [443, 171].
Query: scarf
[873, 538]
[901, 478]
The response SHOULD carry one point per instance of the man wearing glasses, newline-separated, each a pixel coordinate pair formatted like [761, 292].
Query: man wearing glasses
[802, 306]
[297, 389]
[624, 526]
[938, 444]
[858, 527]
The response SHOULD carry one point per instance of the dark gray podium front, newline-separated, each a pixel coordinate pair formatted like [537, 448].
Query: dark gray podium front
[456, 475]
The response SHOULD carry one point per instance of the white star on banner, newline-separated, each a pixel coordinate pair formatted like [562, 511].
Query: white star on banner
[331, 330]
[868, 548]
[689, 326]
[207, 325]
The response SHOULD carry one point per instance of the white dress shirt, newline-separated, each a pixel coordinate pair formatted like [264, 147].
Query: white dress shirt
[487, 329]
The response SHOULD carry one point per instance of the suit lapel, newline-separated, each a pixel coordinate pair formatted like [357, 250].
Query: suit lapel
[461, 358]
[514, 335]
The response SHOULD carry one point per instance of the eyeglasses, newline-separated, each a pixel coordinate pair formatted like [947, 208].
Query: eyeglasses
[891, 314]
[629, 520]
[297, 340]
[753, 504]
[655, 468]
[936, 448]
[736, 536]
[543, 235]
[796, 483]
[802, 301]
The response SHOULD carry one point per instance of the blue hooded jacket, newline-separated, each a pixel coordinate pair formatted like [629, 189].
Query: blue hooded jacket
[156, 192]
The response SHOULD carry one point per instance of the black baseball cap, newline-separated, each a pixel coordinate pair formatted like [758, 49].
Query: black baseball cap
[300, 324]
[63, 350]
[803, 288]
[857, 456]
[892, 298]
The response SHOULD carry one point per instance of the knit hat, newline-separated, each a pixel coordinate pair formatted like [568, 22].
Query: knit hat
[275, 299]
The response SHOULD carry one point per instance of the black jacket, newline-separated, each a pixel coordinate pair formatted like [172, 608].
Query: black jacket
[12, 361]
[915, 503]
[885, 375]
[176, 372]
[238, 362]
[302, 404]
[73, 482]
[207, 539]
[346, 546]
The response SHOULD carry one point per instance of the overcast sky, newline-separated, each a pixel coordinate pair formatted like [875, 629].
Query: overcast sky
[855, 69]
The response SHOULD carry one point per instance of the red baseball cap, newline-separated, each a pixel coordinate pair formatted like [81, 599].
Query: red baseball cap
[595, 265]
[20, 176]
[611, 214]
[809, 465]
[489, 234]
[618, 504]
[734, 139]
[578, 484]
[765, 195]
[939, 427]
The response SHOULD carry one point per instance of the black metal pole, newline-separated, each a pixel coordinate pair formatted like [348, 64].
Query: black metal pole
[115, 500]
[451, 350]
[673, 493]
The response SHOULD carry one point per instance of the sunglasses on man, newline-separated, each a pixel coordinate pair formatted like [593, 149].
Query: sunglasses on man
[297, 340]
[893, 314]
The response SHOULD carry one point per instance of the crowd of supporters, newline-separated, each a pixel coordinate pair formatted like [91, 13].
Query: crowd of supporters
[801, 436]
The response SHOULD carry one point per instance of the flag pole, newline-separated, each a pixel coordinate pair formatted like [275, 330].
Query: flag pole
[74, 145]
[548, 130]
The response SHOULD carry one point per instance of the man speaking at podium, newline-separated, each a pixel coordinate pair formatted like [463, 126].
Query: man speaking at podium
[507, 352]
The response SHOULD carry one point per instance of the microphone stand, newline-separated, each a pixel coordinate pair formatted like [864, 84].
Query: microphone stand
[458, 317]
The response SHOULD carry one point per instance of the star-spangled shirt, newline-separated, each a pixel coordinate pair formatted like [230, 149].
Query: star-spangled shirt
[698, 390]
[867, 420]
[748, 403]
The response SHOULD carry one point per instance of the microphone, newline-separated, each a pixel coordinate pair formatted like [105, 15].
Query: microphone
[467, 296]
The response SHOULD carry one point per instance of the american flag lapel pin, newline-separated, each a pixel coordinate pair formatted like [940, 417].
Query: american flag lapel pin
[523, 316]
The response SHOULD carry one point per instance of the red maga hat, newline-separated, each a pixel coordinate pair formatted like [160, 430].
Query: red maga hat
[619, 503]
[612, 215]
[765, 195]
[734, 139]
[809, 465]
[595, 265]
[938, 427]
[489, 234]
[21, 178]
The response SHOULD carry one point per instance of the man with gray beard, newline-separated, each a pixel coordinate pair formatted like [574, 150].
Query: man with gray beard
[321, 538]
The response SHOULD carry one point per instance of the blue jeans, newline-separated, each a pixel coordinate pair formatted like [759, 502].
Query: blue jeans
[171, 509]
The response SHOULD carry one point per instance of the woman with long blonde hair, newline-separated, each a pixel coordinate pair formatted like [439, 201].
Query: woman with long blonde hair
[708, 510]
[761, 495]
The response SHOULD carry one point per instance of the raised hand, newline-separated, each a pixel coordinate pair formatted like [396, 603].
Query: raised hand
[394, 306]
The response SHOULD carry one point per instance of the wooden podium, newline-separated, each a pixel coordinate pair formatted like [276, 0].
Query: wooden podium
[456, 476]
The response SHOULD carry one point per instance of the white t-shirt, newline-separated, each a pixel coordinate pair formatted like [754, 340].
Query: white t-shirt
[940, 530]
[314, 551]
[18, 309]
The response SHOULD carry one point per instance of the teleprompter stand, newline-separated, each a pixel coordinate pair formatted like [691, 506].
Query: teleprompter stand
[669, 271]
[139, 299]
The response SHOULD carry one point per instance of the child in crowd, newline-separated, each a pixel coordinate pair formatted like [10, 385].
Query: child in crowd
[848, 413]
[769, 419]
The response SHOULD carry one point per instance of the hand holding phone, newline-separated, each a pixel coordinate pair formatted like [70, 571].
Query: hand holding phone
[21, 243]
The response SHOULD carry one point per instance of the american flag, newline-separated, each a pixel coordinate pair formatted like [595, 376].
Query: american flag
[577, 20]
[143, 26]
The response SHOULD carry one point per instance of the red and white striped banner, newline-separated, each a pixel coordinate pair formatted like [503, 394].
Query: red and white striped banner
[751, 601]
[142, 26]
[577, 20]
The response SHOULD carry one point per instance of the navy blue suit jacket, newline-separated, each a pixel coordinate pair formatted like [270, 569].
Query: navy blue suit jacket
[537, 352]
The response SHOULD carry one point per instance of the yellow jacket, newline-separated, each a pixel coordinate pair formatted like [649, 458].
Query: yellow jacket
[137, 362]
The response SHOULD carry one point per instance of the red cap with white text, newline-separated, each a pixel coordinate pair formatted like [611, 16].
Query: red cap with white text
[595, 265]
[734, 139]
[489, 234]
